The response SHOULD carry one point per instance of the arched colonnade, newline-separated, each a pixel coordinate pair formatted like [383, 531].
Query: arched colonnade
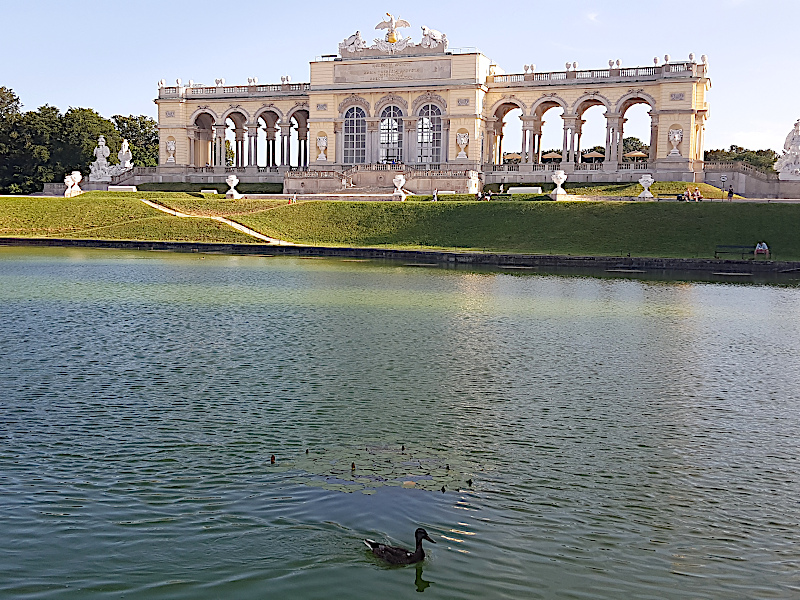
[533, 119]
[208, 131]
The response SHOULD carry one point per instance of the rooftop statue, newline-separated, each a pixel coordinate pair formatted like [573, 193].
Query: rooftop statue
[788, 165]
[433, 42]
[124, 155]
[392, 25]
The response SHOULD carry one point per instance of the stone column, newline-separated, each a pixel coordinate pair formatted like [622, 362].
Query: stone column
[302, 146]
[612, 140]
[373, 145]
[653, 136]
[620, 133]
[338, 142]
[445, 140]
[565, 142]
[190, 133]
[286, 143]
[578, 134]
[219, 143]
[252, 145]
[410, 140]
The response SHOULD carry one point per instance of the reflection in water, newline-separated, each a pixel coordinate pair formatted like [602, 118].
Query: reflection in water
[421, 584]
[596, 438]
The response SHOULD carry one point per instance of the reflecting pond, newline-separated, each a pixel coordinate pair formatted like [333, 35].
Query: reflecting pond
[558, 437]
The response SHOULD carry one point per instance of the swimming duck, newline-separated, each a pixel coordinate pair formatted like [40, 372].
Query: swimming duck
[400, 556]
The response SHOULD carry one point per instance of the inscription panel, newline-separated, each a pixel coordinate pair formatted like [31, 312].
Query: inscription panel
[392, 71]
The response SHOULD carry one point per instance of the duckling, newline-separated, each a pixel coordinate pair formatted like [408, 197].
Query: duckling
[400, 556]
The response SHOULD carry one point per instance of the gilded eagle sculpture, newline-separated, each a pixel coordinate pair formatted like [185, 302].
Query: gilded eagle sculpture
[392, 24]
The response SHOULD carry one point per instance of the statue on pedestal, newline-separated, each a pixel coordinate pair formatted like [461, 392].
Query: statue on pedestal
[788, 165]
[71, 181]
[322, 144]
[462, 139]
[559, 177]
[99, 168]
[125, 155]
[232, 181]
[399, 181]
[646, 181]
[675, 137]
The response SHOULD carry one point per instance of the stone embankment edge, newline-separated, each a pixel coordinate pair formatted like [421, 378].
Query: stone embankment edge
[650, 265]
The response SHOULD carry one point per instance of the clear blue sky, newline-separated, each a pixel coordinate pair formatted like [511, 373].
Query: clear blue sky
[109, 56]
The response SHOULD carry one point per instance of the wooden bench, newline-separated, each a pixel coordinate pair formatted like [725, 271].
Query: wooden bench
[740, 250]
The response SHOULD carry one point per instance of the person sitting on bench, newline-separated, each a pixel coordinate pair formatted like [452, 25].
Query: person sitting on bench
[762, 248]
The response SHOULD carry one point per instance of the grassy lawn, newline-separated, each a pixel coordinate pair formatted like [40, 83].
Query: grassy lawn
[576, 228]
[659, 188]
[667, 229]
[100, 215]
[217, 206]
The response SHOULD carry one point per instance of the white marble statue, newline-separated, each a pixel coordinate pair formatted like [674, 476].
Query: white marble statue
[125, 155]
[559, 177]
[171, 147]
[232, 181]
[788, 165]
[322, 144]
[71, 181]
[462, 139]
[675, 137]
[646, 181]
[99, 168]
[354, 43]
[432, 38]
[399, 181]
[392, 24]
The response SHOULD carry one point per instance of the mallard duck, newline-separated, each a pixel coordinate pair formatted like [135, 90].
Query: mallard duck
[400, 556]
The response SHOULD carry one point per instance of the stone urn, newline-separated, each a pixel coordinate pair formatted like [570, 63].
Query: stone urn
[646, 181]
[675, 137]
[399, 181]
[71, 181]
[232, 181]
[462, 139]
[559, 177]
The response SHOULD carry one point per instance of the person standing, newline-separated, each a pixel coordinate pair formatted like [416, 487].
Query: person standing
[435, 195]
[730, 194]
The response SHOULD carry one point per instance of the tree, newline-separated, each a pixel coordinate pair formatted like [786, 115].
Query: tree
[142, 135]
[764, 160]
[9, 102]
[81, 128]
[634, 144]
[229, 155]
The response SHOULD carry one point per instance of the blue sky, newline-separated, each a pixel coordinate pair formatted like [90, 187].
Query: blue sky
[109, 56]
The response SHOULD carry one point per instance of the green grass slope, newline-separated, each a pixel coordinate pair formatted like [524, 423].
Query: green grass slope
[574, 228]
[100, 215]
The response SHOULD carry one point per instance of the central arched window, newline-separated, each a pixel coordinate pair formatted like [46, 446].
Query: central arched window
[391, 135]
[429, 134]
[355, 135]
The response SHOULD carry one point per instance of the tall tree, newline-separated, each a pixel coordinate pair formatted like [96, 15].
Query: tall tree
[142, 135]
[763, 160]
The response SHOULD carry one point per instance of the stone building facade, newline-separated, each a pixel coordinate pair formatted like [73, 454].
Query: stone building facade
[429, 111]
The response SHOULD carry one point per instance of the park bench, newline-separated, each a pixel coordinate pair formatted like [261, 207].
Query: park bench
[732, 249]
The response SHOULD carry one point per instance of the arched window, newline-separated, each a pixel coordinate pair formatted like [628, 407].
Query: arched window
[429, 134]
[391, 135]
[355, 135]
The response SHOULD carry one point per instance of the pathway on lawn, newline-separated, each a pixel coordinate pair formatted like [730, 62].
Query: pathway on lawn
[234, 224]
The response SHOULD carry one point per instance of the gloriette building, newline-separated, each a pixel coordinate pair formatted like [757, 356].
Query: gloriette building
[435, 113]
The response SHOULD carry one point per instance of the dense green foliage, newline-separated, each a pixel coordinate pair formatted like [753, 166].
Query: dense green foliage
[43, 145]
[763, 160]
[142, 135]
[667, 229]
[102, 215]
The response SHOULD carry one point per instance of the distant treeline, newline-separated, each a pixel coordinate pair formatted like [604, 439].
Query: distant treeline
[763, 160]
[40, 146]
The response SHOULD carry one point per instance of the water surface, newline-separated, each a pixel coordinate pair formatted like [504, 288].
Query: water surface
[623, 439]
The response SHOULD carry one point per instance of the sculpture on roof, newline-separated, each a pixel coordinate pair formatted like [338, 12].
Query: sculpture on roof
[788, 165]
[355, 43]
[392, 24]
[433, 41]
[432, 38]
